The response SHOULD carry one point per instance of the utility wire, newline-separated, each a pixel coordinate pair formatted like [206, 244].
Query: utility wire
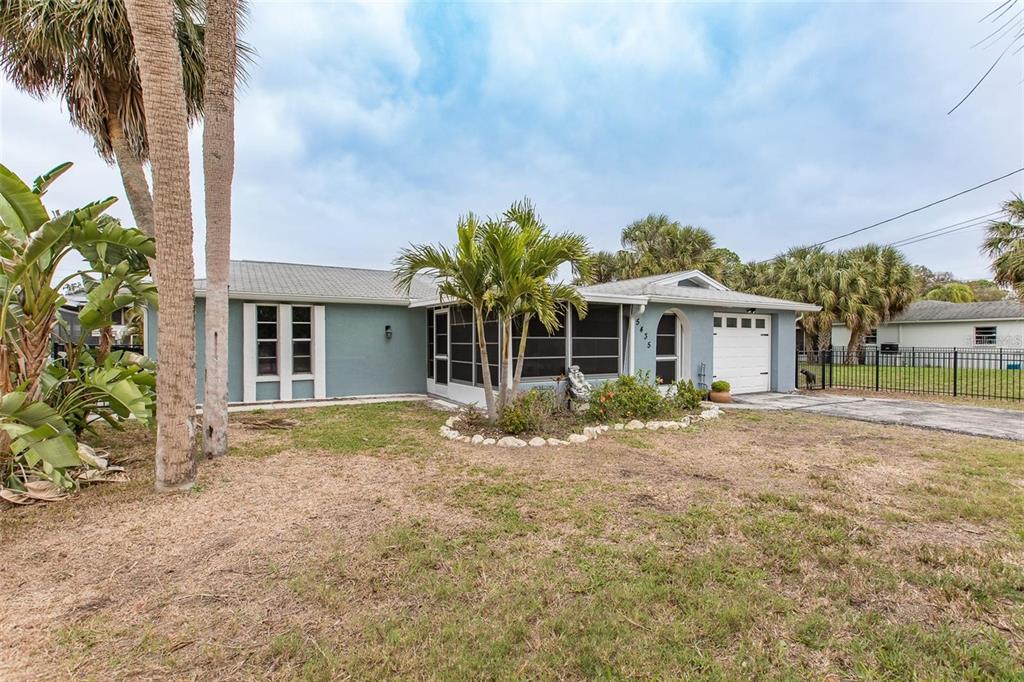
[946, 227]
[1006, 7]
[905, 214]
[945, 234]
[969, 226]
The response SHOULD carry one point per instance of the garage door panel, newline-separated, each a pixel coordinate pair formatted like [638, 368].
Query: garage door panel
[742, 354]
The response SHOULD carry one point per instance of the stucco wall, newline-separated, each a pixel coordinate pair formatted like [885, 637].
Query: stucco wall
[698, 336]
[361, 361]
[1009, 334]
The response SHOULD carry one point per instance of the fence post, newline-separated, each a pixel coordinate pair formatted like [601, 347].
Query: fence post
[878, 365]
[954, 371]
[822, 354]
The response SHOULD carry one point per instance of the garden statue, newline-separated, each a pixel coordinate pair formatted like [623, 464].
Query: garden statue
[578, 386]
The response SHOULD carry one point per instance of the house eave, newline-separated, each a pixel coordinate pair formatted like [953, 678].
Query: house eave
[294, 298]
[729, 303]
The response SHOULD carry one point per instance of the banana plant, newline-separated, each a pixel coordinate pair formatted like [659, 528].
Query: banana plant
[36, 439]
[32, 247]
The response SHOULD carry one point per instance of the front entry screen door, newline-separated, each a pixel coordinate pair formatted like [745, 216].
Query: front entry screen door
[441, 347]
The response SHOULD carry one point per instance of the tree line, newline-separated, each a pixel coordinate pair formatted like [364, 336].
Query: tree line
[859, 287]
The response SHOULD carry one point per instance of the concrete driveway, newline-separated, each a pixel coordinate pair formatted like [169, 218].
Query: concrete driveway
[974, 421]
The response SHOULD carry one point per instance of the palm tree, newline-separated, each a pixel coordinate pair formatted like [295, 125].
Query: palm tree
[530, 291]
[218, 169]
[1004, 244]
[659, 244]
[954, 292]
[166, 113]
[82, 50]
[463, 274]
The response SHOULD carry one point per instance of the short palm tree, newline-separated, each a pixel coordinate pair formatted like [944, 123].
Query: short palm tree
[529, 291]
[463, 274]
[82, 51]
[1004, 244]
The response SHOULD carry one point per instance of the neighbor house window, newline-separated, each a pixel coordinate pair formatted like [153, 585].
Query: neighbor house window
[871, 337]
[595, 340]
[266, 340]
[302, 339]
[984, 336]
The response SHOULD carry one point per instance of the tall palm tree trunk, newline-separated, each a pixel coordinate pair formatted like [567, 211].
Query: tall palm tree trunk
[520, 356]
[156, 49]
[133, 177]
[218, 171]
[505, 350]
[485, 366]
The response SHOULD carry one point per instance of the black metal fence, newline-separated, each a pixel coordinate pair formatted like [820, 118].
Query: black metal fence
[58, 348]
[996, 373]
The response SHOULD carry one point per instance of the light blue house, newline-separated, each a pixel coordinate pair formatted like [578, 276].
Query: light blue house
[301, 332]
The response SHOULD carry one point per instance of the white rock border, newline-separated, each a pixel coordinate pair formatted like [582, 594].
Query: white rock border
[710, 411]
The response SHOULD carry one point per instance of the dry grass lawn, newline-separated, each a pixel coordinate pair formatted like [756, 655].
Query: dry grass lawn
[760, 546]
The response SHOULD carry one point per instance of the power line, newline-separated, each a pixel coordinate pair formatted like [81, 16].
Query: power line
[973, 226]
[905, 214]
[945, 227]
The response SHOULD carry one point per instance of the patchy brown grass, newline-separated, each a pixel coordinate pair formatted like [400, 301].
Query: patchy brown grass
[763, 545]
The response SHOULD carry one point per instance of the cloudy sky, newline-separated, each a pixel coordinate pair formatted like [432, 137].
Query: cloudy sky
[364, 127]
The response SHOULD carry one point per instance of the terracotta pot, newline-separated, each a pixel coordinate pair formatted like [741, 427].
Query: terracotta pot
[720, 397]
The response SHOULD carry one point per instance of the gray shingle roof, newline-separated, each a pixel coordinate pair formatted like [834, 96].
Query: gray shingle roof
[294, 281]
[943, 311]
[649, 288]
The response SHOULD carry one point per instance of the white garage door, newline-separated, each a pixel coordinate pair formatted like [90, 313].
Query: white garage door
[743, 351]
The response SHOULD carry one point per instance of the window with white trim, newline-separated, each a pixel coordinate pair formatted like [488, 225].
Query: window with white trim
[667, 349]
[266, 340]
[302, 339]
[985, 336]
[871, 338]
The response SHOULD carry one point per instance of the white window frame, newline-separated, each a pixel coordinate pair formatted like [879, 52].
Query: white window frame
[277, 343]
[994, 335]
[311, 374]
[284, 376]
[675, 357]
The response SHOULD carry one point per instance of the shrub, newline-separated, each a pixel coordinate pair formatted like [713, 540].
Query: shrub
[528, 412]
[628, 397]
[685, 396]
[720, 386]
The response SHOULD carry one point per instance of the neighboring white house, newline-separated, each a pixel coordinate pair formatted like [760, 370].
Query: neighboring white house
[939, 324]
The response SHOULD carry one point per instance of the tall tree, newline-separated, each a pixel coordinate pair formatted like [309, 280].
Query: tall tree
[82, 51]
[160, 71]
[463, 274]
[1004, 244]
[218, 171]
[656, 245]
[954, 292]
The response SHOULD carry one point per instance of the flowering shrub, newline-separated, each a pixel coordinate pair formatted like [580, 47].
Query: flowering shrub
[628, 397]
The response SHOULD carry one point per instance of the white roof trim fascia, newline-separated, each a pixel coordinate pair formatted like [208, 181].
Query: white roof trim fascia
[598, 297]
[691, 274]
[295, 298]
[729, 303]
[978, 319]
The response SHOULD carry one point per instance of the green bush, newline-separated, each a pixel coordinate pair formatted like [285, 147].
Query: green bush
[685, 396]
[628, 397]
[528, 412]
[720, 386]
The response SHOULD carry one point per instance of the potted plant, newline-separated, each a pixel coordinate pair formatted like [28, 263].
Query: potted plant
[720, 392]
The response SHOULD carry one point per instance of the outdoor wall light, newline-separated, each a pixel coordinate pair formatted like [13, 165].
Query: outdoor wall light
[387, 331]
